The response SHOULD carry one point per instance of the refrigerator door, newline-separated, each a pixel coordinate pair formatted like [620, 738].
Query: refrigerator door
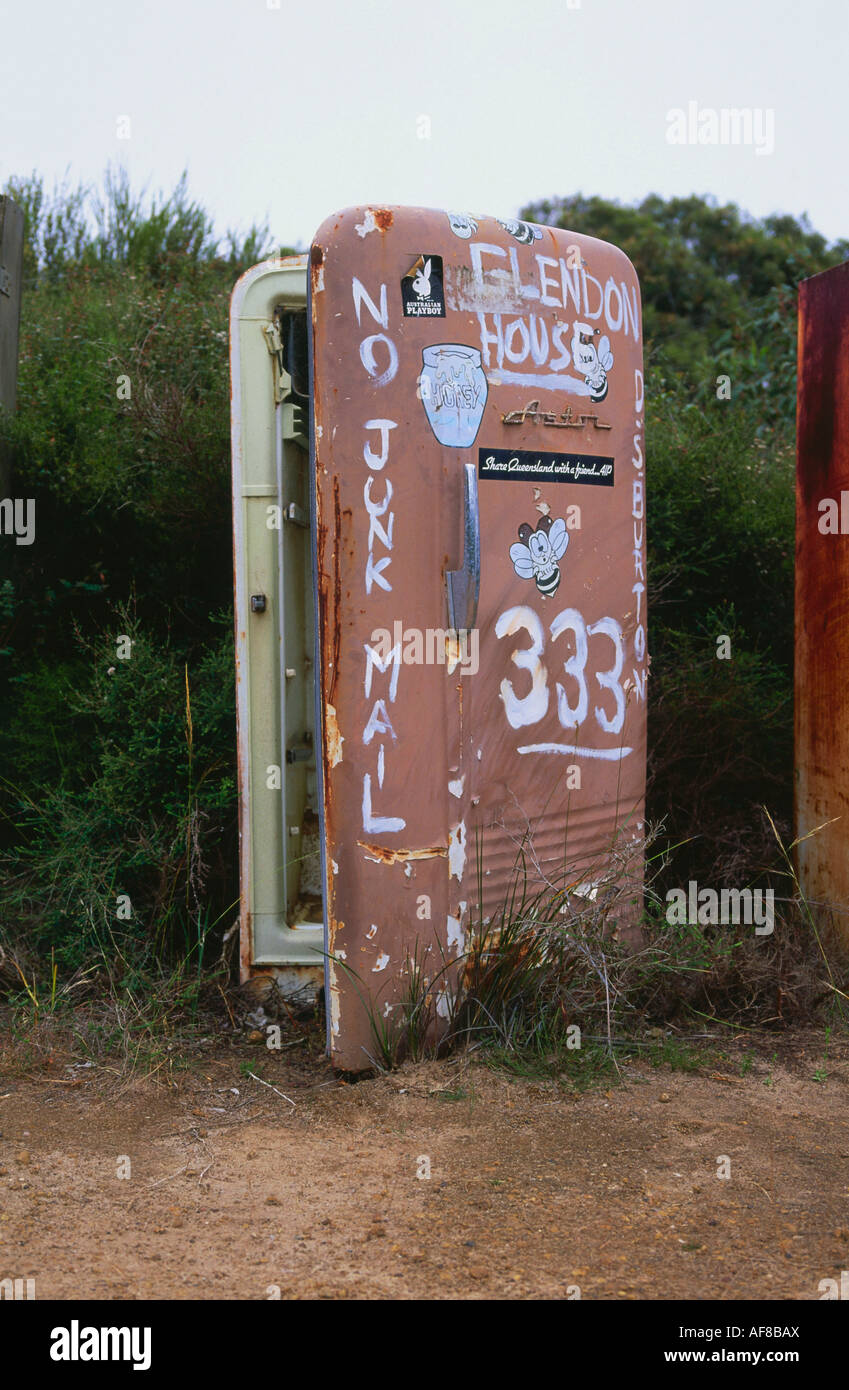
[478, 465]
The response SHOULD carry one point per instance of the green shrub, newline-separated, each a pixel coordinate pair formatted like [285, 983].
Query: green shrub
[150, 809]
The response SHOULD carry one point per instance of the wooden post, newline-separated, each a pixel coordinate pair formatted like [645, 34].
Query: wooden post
[11, 258]
[822, 592]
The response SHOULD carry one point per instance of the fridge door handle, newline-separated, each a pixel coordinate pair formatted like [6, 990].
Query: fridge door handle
[463, 585]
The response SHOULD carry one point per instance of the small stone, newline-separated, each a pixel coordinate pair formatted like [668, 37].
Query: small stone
[272, 1201]
[23, 1156]
[664, 1097]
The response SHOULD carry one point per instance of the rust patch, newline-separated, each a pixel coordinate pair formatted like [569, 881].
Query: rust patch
[245, 946]
[384, 217]
[316, 273]
[382, 855]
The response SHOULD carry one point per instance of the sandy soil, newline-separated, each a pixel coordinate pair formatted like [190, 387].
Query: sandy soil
[533, 1191]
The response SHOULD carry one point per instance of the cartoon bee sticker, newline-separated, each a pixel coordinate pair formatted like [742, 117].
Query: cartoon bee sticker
[594, 362]
[536, 553]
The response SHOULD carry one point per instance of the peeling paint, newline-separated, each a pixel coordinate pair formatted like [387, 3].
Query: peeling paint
[334, 1000]
[382, 962]
[374, 220]
[380, 854]
[457, 851]
[455, 652]
[335, 866]
[372, 932]
[334, 738]
[456, 934]
[456, 787]
[443, 1003]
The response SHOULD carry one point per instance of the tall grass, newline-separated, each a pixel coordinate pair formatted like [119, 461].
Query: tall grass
[563, 966]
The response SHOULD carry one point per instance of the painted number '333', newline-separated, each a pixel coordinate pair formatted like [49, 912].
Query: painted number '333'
[530, 708]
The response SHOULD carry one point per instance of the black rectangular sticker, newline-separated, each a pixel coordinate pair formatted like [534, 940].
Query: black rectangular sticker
[525, 465]
[422, 290]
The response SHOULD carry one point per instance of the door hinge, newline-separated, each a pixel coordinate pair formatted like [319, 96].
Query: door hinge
[296, 514]
[294, 422]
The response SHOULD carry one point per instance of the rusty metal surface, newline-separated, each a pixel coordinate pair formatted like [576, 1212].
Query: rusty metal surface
[523, 358]
[822, 588]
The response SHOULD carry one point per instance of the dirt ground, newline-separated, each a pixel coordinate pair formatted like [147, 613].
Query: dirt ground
[534, 1191]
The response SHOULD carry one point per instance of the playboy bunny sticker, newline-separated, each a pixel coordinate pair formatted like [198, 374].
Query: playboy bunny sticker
[421, 289]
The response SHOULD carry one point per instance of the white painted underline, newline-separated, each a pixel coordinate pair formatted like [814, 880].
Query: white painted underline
[550, 381]
[611, 754]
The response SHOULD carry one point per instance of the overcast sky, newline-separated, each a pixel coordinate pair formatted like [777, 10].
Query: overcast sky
[290, 113]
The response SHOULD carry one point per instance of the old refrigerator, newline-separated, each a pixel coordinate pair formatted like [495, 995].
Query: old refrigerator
[477, 535]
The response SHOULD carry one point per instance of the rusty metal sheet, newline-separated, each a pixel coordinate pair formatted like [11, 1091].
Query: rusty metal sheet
[822, 588]
[478, 396]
